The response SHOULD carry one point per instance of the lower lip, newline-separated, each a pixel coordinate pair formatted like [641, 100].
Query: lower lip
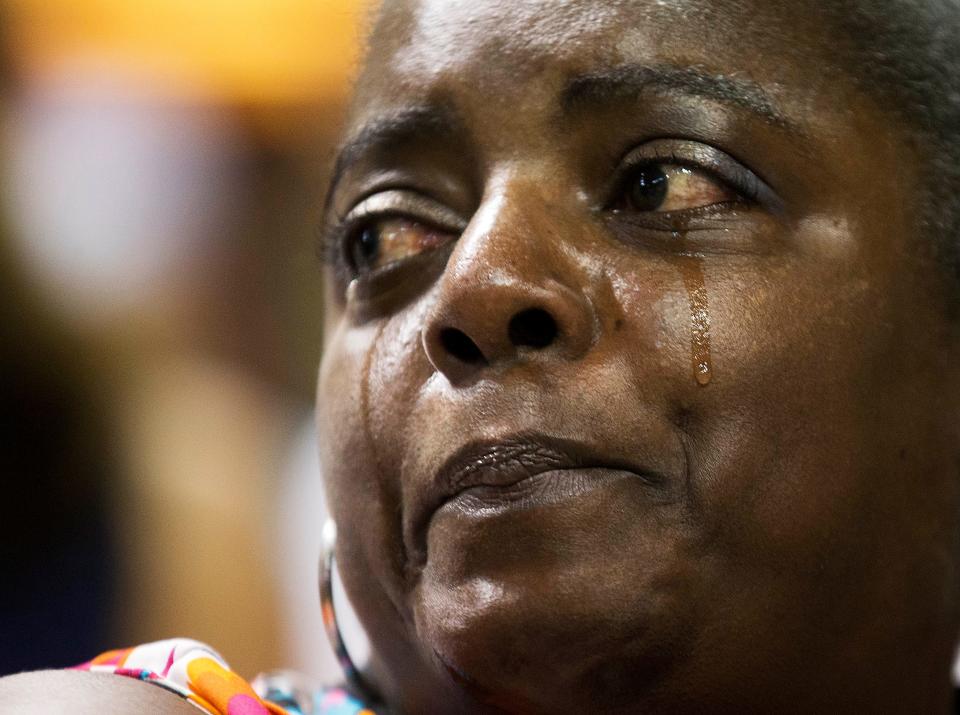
[544, 489]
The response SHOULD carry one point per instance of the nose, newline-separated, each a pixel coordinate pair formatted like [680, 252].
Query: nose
[508, 294]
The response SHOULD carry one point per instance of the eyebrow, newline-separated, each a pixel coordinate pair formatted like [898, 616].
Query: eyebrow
[423, 123]
[628, 81]
[581, 93]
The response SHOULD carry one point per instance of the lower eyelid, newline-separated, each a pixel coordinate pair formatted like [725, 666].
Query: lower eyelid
[725, 230]
[708, 190]
[667, 221]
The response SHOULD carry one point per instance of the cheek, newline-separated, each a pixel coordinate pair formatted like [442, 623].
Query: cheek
[665, 330]
[369, 376]
[342, 424]
[398, 371]
[795, 479]
[720, 348]
[784, 442]
[779, 426]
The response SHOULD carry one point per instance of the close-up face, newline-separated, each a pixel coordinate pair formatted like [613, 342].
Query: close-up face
[639, 391]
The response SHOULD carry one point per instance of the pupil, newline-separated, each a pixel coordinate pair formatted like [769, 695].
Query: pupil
[368, 244]
[648, 188]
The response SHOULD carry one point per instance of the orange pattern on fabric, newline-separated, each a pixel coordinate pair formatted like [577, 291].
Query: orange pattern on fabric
[220, 687]
[112, 657]
[200, 675]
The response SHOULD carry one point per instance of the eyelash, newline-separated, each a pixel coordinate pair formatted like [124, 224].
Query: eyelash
[334, 242]
[331, 241]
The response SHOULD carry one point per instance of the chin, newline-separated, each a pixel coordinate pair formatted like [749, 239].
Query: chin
[554, 609]
[533, 651]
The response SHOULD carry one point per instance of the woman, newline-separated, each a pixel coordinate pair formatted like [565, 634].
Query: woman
[641, 379]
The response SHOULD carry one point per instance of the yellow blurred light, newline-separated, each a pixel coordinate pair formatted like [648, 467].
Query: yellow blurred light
[250, 51]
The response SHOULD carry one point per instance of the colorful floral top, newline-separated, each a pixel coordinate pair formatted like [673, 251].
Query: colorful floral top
[198, 674]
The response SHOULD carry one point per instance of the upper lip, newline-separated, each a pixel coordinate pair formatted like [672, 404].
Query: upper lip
[504, 463]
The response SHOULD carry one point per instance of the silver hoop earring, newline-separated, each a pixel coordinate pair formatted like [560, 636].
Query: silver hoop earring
[351, 673]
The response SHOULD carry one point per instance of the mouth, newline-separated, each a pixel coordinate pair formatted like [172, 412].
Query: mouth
[526, 471]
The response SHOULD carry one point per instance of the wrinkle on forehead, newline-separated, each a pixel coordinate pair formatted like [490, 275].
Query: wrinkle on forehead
[429, 47]
[510, 57]
[447, 33]
[433, 38]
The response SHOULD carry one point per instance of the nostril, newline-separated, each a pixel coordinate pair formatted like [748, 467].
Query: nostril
[534, 328]
[459, 344]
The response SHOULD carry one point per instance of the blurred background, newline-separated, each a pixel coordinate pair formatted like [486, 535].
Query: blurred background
[162, 165]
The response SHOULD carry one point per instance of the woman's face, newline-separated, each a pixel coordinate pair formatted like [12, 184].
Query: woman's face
[637, 388]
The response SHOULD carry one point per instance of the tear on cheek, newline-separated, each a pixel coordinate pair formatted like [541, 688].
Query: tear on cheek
[694, 282]
[691, 268]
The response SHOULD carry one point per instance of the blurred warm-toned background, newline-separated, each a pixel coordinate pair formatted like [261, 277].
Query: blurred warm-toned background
[162, 166]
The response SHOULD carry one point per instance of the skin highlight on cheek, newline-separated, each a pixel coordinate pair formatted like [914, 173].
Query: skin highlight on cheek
[365, 411]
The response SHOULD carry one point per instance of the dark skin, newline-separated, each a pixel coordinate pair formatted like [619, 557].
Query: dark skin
[672, 184]
[84, 693]
[775, 540]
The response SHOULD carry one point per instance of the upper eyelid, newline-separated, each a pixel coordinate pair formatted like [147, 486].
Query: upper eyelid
[642, 156]
[398, 202]
[664, 147]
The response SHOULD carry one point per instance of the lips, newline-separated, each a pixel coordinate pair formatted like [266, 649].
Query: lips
[518, 472]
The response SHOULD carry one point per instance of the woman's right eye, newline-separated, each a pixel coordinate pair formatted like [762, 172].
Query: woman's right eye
[379, 242]
[670, 188]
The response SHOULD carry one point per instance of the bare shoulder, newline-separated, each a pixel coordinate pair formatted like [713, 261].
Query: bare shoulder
[83, 693]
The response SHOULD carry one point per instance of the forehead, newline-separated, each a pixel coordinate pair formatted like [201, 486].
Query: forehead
[447, 34]
[497, 48]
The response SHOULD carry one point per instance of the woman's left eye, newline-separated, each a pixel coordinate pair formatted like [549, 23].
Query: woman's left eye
[666, 188]
[382, 241]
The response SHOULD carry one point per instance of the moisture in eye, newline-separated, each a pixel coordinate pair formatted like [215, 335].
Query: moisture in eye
[390, 240]
[648, 188]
